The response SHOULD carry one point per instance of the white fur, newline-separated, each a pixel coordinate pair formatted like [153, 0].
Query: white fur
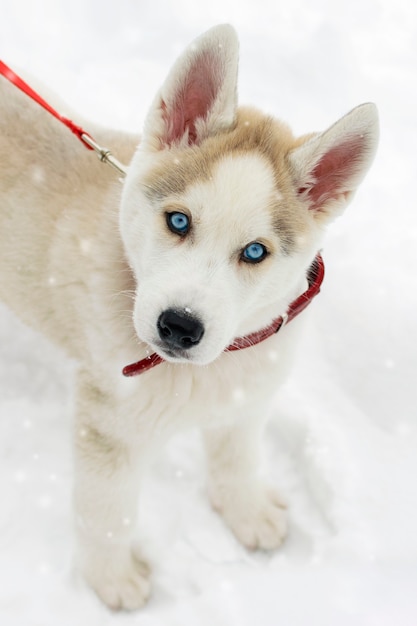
[64, 270]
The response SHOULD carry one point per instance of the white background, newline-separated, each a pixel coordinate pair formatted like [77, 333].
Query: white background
[342, 443]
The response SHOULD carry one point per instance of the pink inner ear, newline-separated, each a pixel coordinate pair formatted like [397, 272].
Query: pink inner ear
[332, 173]
[193, 99]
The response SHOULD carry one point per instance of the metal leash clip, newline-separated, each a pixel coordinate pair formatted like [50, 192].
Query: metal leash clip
[104, 154]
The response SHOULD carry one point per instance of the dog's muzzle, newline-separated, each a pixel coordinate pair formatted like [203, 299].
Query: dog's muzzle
[179, 330]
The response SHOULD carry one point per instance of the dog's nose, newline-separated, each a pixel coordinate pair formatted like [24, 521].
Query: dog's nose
[179, 330]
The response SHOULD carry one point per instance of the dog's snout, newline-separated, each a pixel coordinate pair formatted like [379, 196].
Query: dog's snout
[179, 330]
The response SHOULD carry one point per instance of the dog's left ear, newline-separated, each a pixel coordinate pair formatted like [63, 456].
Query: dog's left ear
[328, 168]
[199, 96]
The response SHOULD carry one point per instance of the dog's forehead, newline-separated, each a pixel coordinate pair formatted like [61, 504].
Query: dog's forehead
[241, 196]
[253, 134]
[239, 186]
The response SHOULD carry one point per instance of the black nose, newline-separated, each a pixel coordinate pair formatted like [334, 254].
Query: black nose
[179, 329]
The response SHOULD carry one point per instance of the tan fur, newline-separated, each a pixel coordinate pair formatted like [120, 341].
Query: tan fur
[70, 201]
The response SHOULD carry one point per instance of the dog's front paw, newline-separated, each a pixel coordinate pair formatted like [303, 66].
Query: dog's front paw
[256, 515]
[120, 580]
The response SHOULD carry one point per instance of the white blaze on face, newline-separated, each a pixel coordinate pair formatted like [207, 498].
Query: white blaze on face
[238, 194]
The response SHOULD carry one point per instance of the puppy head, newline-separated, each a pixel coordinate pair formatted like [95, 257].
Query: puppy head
[223, 210]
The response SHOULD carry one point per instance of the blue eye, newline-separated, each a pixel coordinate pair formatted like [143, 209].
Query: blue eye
[178, 223]
[254, 253]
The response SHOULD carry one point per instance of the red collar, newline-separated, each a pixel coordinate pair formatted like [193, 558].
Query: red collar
[315, 278]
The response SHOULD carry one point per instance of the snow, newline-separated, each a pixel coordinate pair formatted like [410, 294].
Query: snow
[341, 445]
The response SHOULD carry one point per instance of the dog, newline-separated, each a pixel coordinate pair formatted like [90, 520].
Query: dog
[209, 238]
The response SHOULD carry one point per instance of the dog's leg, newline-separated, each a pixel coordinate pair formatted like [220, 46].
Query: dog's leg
[105, 495]
[251, 508]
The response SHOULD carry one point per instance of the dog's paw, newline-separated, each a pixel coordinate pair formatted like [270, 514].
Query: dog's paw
[256, 516]
[122, 583]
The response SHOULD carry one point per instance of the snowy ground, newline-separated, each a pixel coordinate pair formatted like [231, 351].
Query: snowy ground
[342, 441]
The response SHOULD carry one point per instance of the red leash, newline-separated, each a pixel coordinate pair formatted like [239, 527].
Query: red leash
[103, 153]
[315, 274]
[315, 278]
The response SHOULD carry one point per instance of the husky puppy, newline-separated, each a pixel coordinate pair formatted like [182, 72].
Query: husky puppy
[209, 237]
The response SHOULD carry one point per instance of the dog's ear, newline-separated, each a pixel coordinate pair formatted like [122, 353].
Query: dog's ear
[199, 96]
[328, 167]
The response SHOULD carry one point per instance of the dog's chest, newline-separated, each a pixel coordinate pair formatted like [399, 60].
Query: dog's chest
[171, 398]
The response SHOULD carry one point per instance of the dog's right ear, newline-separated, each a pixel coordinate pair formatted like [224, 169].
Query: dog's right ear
[199, 96]
[328, 167]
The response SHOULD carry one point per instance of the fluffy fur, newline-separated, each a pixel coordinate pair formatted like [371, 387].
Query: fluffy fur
[92, 264]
